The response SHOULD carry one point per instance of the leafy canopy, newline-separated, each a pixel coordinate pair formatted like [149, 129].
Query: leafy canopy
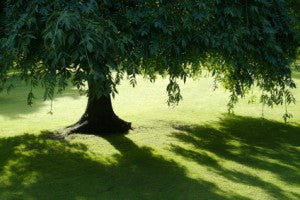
[242, 44]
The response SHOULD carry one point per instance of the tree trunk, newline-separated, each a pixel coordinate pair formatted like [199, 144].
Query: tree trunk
[99, 118]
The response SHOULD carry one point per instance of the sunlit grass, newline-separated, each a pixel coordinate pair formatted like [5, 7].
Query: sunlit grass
[193, 151]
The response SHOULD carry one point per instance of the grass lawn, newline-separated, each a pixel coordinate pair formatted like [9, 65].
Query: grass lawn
[193, 151]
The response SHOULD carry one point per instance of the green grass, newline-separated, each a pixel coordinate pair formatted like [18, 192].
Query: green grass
[193, 151]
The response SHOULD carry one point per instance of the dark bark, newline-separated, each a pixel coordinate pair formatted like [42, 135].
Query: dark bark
[99, 118]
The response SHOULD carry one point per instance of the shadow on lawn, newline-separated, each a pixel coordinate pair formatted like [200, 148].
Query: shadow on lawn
[255, 143]
[14, 104]
[39, 167]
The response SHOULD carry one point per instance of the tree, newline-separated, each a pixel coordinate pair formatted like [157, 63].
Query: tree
[101, 42]
[294, 7]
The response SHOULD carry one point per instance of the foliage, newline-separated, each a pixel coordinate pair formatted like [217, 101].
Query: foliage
[294, 6]
[241, 43]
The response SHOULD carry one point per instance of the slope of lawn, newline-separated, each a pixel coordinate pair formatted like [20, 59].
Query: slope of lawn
[193, 151]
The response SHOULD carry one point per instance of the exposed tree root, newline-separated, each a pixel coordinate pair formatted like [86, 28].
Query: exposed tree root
[99, 127]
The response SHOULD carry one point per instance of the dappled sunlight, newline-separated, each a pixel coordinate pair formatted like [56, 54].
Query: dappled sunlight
[14, 103]
[248, 151]
[14, 111]
[171, 153]
[43, 167]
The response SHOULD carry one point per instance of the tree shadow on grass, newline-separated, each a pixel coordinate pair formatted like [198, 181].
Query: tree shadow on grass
[14, 104]
[259, 144]
[39, 167]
